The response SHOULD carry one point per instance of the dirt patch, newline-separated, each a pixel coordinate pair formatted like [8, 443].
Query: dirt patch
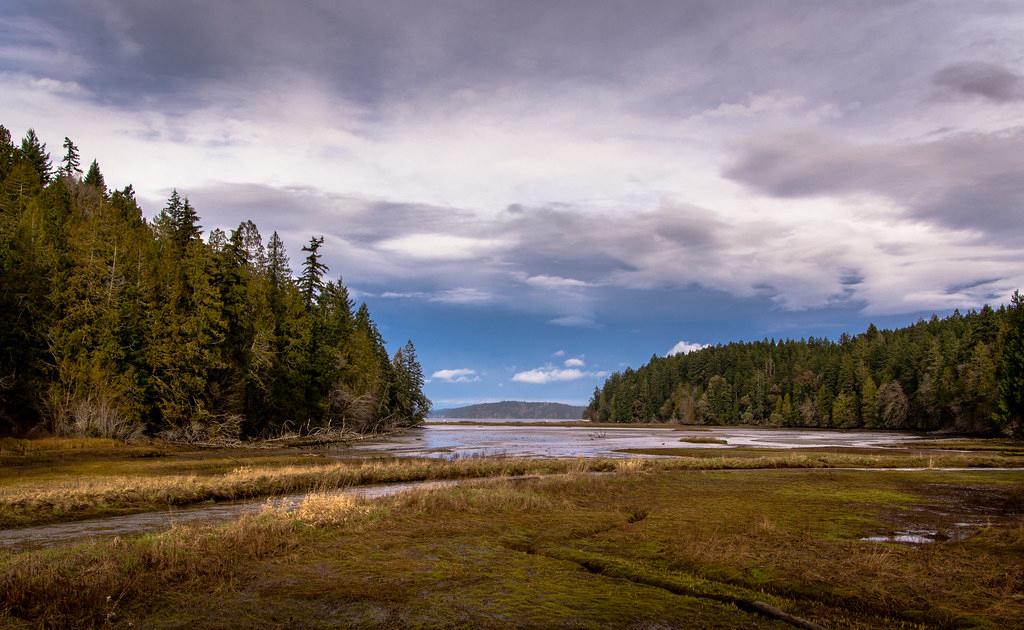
[952, 513]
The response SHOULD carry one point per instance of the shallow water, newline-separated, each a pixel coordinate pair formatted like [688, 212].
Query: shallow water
[951, 532]
[482, 440]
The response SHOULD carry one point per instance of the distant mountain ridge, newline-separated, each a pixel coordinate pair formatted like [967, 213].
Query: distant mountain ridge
[514, 410]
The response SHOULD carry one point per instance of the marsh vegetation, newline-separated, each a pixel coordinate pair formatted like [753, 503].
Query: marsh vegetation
[644, 545]
[731, 537]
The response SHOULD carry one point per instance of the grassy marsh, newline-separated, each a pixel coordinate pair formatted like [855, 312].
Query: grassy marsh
[61, 480]
[700, 439]
[672, 548]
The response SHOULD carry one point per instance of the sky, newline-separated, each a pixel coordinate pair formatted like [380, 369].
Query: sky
[541, 193]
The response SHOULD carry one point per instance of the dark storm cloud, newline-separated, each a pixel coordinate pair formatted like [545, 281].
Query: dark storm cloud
[296, 207]
[394, 51]
[553, 254]
[963, 180]
[977, 78]
[587, 113]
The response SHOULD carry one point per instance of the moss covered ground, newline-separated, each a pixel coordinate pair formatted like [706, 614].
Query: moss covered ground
[634, 549]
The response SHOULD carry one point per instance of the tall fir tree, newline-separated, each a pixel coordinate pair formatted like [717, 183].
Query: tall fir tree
[8, 153]
[311, 282]
[115, 325]
[71, 165]
[34, 152]
[1011, 381]
[94, 177]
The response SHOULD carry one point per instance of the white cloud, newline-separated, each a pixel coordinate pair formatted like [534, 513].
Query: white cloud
[579, 321]
[441, 246]
[460, 295]
[456, 375]
[400, 295]
[550, 374]
[556, 282]
[515, 141]
[685, 347]
[574, 363]
[558, 353]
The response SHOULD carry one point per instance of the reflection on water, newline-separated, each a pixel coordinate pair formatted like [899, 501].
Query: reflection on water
[488, 439]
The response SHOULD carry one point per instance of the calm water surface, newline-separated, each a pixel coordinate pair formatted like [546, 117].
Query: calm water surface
[450, 439]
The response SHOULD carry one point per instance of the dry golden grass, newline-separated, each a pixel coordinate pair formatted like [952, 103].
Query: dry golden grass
[84, 586]
[68, 497]
[323, 509]
[54, 500]
[785, 537]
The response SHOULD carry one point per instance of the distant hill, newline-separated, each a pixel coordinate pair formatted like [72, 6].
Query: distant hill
[513, 410]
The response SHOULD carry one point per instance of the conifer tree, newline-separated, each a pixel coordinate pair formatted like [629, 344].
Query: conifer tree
[71, 165]
[1011, 387]
[94, 177]
[113, 325]
[311, 282]
[844, 411]
[277, 262]
[34, 152]
[186, 224]
[868, 401]
[412, 404]
[8, 153]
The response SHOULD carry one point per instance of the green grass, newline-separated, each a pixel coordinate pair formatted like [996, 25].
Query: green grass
[649, 548]
[700, 439]
[56, 480]
[1003, 446]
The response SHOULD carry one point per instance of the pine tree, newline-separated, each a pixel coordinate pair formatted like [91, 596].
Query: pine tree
[164, 223]
[8, 153]
[978, 393]
[412, 404]
[71, 165]
[719, 400]
[178, 222]
[1011, 377]
[186, 224]
[34, 152]
[868, 401]
[844, 411]
[95, 178]
[95, 390]
[311, 282]
[277, 262]
[112, 324]
[823, 406]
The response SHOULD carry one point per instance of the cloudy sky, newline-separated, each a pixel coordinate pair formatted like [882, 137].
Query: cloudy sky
[538, 193]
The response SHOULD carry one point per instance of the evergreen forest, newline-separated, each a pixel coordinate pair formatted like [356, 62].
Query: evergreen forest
[964, 373]
[115, 325]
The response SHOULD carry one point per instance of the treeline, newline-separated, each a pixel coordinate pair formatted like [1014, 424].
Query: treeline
[114, 325]
[964, 373]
